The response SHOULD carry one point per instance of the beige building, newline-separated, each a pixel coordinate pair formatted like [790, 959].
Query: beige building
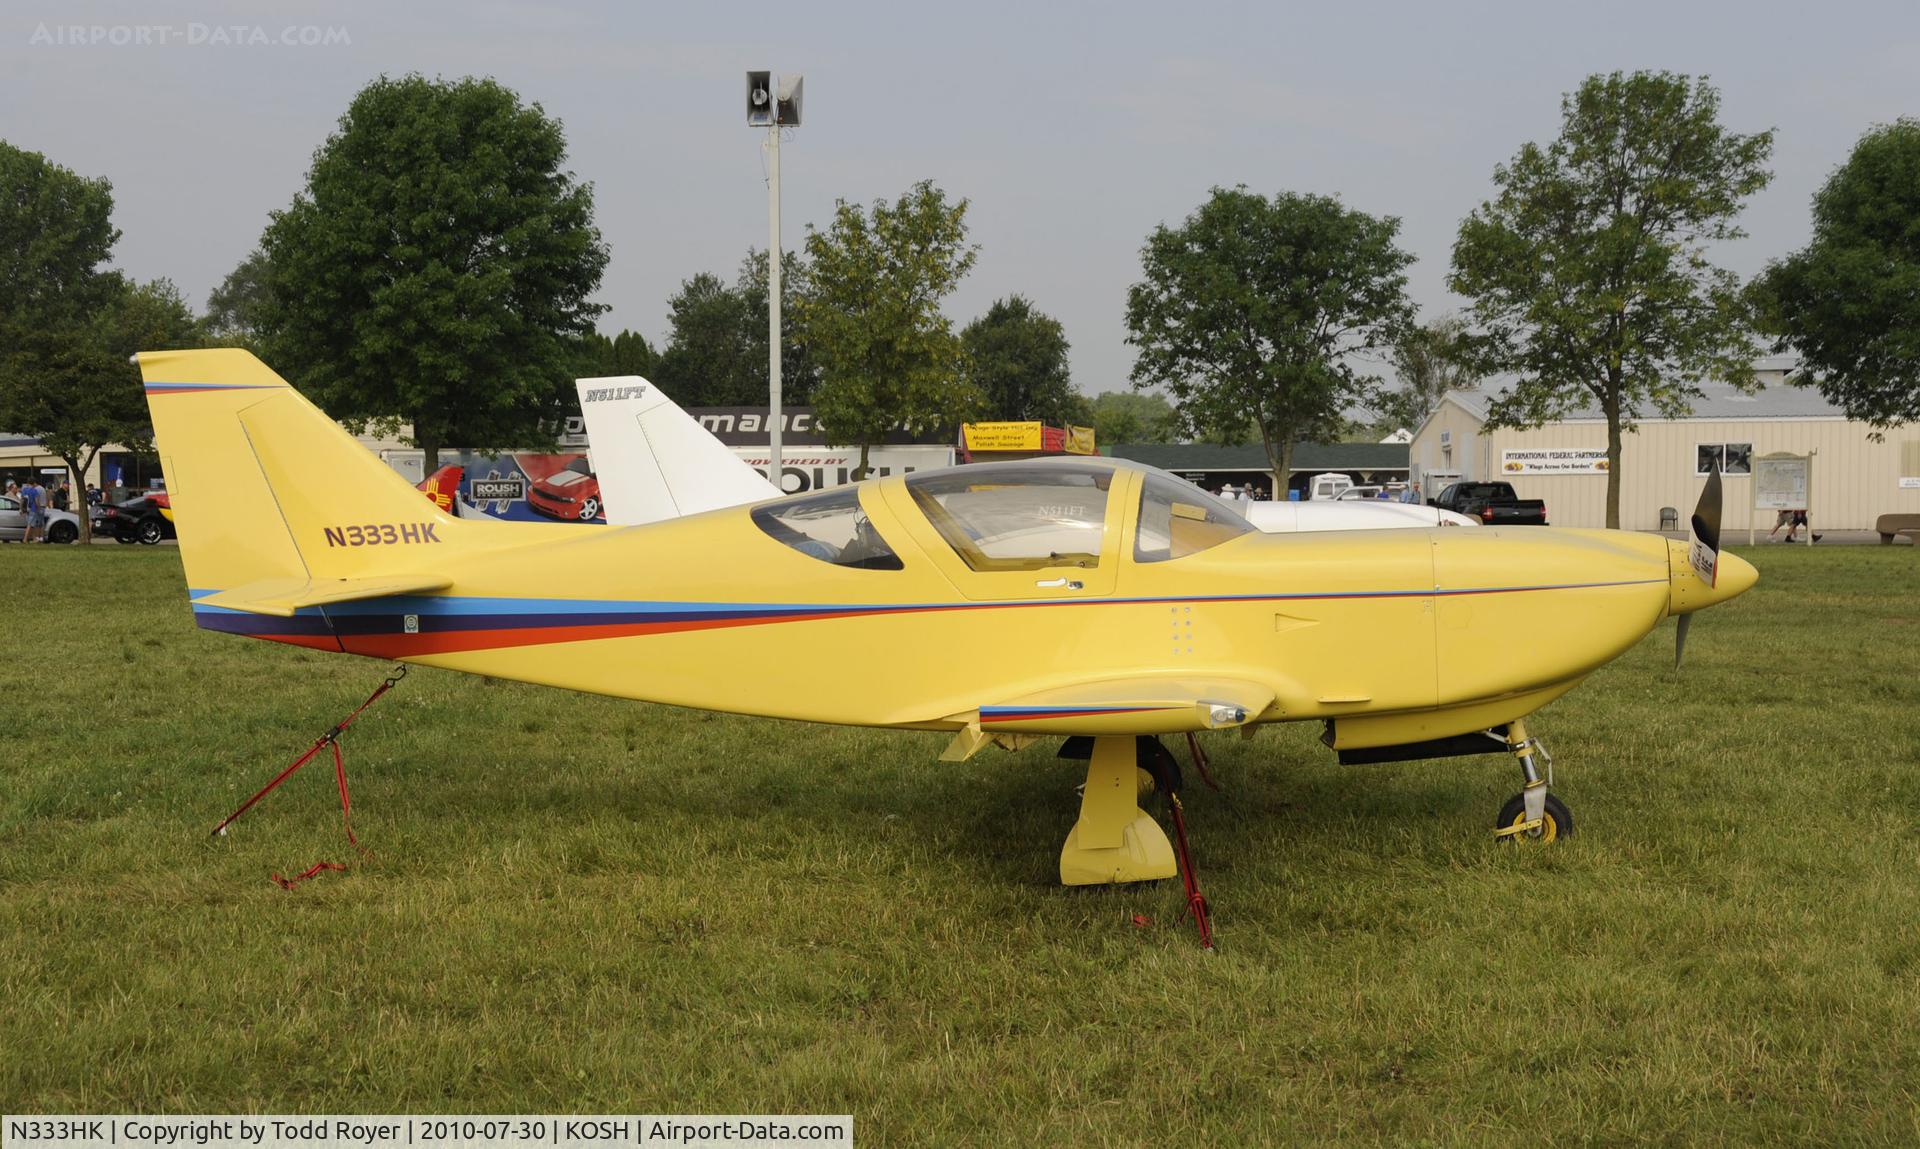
[1664, 463]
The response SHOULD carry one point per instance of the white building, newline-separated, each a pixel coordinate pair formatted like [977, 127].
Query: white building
[1664, 462]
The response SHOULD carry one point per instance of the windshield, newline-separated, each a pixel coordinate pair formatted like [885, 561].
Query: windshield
[829, 526]
[1018, 516]
[1178, 519]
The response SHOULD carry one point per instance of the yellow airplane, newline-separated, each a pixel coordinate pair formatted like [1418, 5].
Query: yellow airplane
[1094, 598]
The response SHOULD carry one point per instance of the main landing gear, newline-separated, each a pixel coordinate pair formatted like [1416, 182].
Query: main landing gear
[1114, 839]
[1532, 815]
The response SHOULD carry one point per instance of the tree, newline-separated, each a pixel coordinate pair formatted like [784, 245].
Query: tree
[1253, 312]
[707, 358]
[437, 268]
[1133, 417]
[624, 354]
[237, 308]
[57, 372]
[799, 375]
[76, 389]
[887, 356]
[1018, 360]
[1430, 360]
[1588, 272]
[1849, 302]
[717, 351]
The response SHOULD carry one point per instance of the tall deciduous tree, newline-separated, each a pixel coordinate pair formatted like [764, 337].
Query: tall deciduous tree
[1253, 312]
[1133, 417]
[437, 268]
[1430, 360]
[1849, 302]
[887, 355]
[237, 308]
[1588, 271]
[716, 351]
[76, 388]
[1018, 359]
[64, 376]
[624, 354]
[799, 375]
[707, 358]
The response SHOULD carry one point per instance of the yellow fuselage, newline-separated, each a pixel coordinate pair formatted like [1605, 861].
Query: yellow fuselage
[1397, 635]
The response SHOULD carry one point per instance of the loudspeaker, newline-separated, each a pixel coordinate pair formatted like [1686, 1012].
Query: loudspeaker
[788, 113]
[759, 99]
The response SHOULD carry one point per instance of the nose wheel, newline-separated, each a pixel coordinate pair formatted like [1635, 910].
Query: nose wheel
[1556, 821]
[1533, 814]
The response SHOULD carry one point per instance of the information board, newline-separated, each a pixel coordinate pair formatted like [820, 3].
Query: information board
[1780, 482]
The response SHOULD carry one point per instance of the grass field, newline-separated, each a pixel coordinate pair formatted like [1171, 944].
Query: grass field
[580, 904]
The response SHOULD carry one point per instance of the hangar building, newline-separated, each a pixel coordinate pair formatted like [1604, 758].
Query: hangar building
[1664, 464]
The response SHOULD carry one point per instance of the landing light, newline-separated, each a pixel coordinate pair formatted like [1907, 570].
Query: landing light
[1222, 715]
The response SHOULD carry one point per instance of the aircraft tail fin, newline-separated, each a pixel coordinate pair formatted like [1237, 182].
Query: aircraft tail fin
[266, 489]
[443, 486]
[654, 461]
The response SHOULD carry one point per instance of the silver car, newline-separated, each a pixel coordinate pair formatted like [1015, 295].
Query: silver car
[62, 526]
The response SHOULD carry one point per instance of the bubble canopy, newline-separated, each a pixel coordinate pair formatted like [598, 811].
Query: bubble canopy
[1013, 516]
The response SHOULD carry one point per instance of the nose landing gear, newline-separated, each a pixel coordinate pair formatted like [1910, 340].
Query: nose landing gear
[1533, 814]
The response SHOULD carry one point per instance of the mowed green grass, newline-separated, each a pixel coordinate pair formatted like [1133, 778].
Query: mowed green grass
[581, 904]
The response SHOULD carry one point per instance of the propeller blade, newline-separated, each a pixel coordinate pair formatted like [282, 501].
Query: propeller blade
[1703, 550]
[1680, 640]
[1706, 514]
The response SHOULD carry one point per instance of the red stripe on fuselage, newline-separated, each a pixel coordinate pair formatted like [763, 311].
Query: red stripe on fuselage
[453, 641]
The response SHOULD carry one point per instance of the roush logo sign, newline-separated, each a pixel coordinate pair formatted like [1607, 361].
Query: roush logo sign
[485, 490]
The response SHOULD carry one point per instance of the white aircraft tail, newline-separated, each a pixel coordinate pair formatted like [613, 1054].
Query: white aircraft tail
[654, 461]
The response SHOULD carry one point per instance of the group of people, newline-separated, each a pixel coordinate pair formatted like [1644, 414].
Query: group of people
[33, 499]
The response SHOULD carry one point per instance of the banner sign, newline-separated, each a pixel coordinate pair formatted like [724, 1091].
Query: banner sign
[1780, 482]
[805, 469]
[1555, 461]
[750, 426]
[521, 486]
[1080, 441]
[1003, 436]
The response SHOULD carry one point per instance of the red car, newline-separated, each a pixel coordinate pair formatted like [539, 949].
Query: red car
[572, 492]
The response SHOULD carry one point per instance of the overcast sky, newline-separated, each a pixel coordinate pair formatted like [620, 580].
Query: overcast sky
[1074, 128]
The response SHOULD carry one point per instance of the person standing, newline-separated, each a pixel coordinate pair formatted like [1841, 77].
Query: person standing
[33, 500]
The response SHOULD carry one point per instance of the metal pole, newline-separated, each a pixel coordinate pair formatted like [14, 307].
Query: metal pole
[774, 470]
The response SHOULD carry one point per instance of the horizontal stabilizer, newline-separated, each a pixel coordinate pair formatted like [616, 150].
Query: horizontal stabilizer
[282, 597]
[1133, 705]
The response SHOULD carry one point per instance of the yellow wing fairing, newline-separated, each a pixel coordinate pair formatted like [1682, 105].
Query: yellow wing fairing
[1132, 705]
